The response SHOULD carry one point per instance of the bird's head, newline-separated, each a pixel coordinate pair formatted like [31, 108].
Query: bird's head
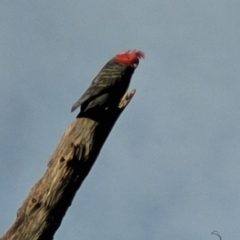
[129, 58]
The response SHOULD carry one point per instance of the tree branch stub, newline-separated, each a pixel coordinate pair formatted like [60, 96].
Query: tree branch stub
[42, 212]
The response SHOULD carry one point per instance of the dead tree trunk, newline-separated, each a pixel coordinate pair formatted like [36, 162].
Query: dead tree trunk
[42, 212]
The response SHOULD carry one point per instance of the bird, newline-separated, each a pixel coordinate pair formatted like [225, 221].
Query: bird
[111, 83]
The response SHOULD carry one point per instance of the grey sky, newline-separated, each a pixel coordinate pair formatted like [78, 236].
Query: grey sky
[170, 168]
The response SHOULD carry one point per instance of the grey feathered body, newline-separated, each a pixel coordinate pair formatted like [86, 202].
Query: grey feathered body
[107, 88]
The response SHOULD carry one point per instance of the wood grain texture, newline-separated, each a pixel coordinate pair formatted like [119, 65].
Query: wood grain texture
[42, 212]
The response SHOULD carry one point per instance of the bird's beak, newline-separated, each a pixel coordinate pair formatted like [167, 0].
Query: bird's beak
[135, 65]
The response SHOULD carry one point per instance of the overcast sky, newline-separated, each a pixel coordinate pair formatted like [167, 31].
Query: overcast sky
[170, 168]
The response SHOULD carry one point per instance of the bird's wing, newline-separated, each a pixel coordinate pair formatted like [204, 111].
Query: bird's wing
[91, 93]
[96, 102]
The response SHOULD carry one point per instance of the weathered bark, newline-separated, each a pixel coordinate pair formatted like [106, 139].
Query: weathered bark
[44, 208]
